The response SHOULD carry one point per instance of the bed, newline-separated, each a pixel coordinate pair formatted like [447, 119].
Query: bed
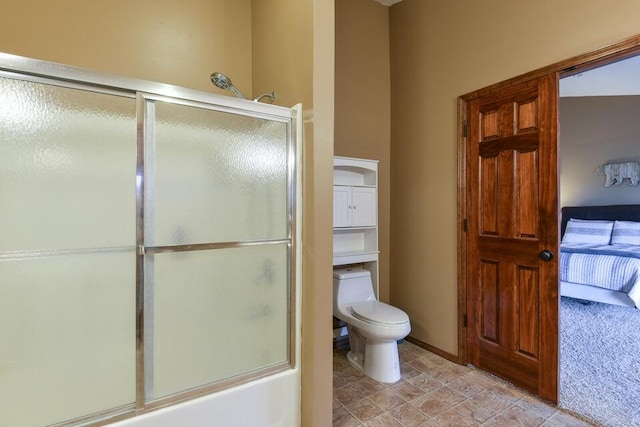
[600, 254]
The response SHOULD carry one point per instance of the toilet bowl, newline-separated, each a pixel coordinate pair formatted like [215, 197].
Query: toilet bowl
[373, 327]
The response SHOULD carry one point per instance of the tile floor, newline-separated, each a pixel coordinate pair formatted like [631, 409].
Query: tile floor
[435, 392]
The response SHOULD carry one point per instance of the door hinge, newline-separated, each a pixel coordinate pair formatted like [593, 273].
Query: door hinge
[464, 225]
[464, 128]
[464, 320]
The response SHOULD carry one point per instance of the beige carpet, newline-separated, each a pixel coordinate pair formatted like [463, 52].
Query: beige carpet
[600, 362]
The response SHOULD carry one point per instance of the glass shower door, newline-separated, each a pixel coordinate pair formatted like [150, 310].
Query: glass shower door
[67, 252]
[148, 250]
[217, 244]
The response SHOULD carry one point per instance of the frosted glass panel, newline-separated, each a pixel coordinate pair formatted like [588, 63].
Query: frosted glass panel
[67, 168]
[67, 328]
[219, 177]
[217, 314]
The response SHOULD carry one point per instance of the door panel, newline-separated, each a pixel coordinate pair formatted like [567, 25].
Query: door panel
[528, 289]
[490, 300]
[216, 265]
[226, 298]
[217, 176]
[341, 206]
[512, 209]
[67, 251]
[364, 206]
[527, 214]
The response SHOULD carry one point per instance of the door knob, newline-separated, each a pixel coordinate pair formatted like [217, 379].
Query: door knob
[546, 255]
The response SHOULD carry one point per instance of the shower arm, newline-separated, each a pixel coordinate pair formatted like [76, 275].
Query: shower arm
[271, 96]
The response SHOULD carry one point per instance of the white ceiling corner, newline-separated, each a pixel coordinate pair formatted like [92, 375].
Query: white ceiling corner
[388, 2]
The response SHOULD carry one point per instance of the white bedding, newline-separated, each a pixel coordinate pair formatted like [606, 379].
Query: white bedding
[613, 267]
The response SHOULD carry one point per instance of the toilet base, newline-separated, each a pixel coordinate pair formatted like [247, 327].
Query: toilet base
[381, 361]
[355, 361]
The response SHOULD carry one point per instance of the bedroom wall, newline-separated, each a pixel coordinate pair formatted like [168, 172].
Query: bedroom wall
[440, 50]
[363, 102]
[596, 130]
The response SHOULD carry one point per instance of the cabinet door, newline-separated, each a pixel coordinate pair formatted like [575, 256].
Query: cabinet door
[341, 206]
[363, 206]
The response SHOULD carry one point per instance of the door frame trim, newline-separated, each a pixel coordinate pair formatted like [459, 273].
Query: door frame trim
[623, 49]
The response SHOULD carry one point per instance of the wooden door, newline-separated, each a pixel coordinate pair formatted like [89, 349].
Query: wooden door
[512, 208]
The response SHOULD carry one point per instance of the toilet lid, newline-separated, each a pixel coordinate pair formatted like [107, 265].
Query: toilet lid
[378, 312]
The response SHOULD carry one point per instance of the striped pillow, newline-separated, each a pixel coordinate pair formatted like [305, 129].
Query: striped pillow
[626, 233]
[594, 232]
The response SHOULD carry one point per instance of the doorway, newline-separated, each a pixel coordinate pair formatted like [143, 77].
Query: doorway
[598, 112]
[491, 299]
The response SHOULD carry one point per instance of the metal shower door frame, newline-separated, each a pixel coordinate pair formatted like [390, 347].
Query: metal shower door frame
[146, 139]
[37, 71]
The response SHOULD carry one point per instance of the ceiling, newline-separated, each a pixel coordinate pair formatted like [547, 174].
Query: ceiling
[388, 2]
[618, 78]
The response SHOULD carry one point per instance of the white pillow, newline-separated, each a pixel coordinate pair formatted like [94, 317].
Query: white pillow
[626, 233]
[595, 232]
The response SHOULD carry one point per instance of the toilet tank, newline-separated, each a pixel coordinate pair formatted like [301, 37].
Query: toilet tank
[352, 285]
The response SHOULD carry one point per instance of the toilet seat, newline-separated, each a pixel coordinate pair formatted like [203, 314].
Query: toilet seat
[378, 313]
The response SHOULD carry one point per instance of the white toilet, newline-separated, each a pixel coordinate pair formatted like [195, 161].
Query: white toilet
[374, 327]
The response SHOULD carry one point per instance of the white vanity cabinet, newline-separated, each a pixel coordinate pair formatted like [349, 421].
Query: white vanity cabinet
[355, 213]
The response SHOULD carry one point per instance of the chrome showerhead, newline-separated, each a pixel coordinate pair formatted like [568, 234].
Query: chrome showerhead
[224, 82]
[220, 80]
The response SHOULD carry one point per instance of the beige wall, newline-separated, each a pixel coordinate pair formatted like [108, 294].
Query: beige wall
[282, 42]
[150, 40]
[363, 102]
[440, 50]
[317, 360]
[182, 43]
[293, 55]
[597, 130]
